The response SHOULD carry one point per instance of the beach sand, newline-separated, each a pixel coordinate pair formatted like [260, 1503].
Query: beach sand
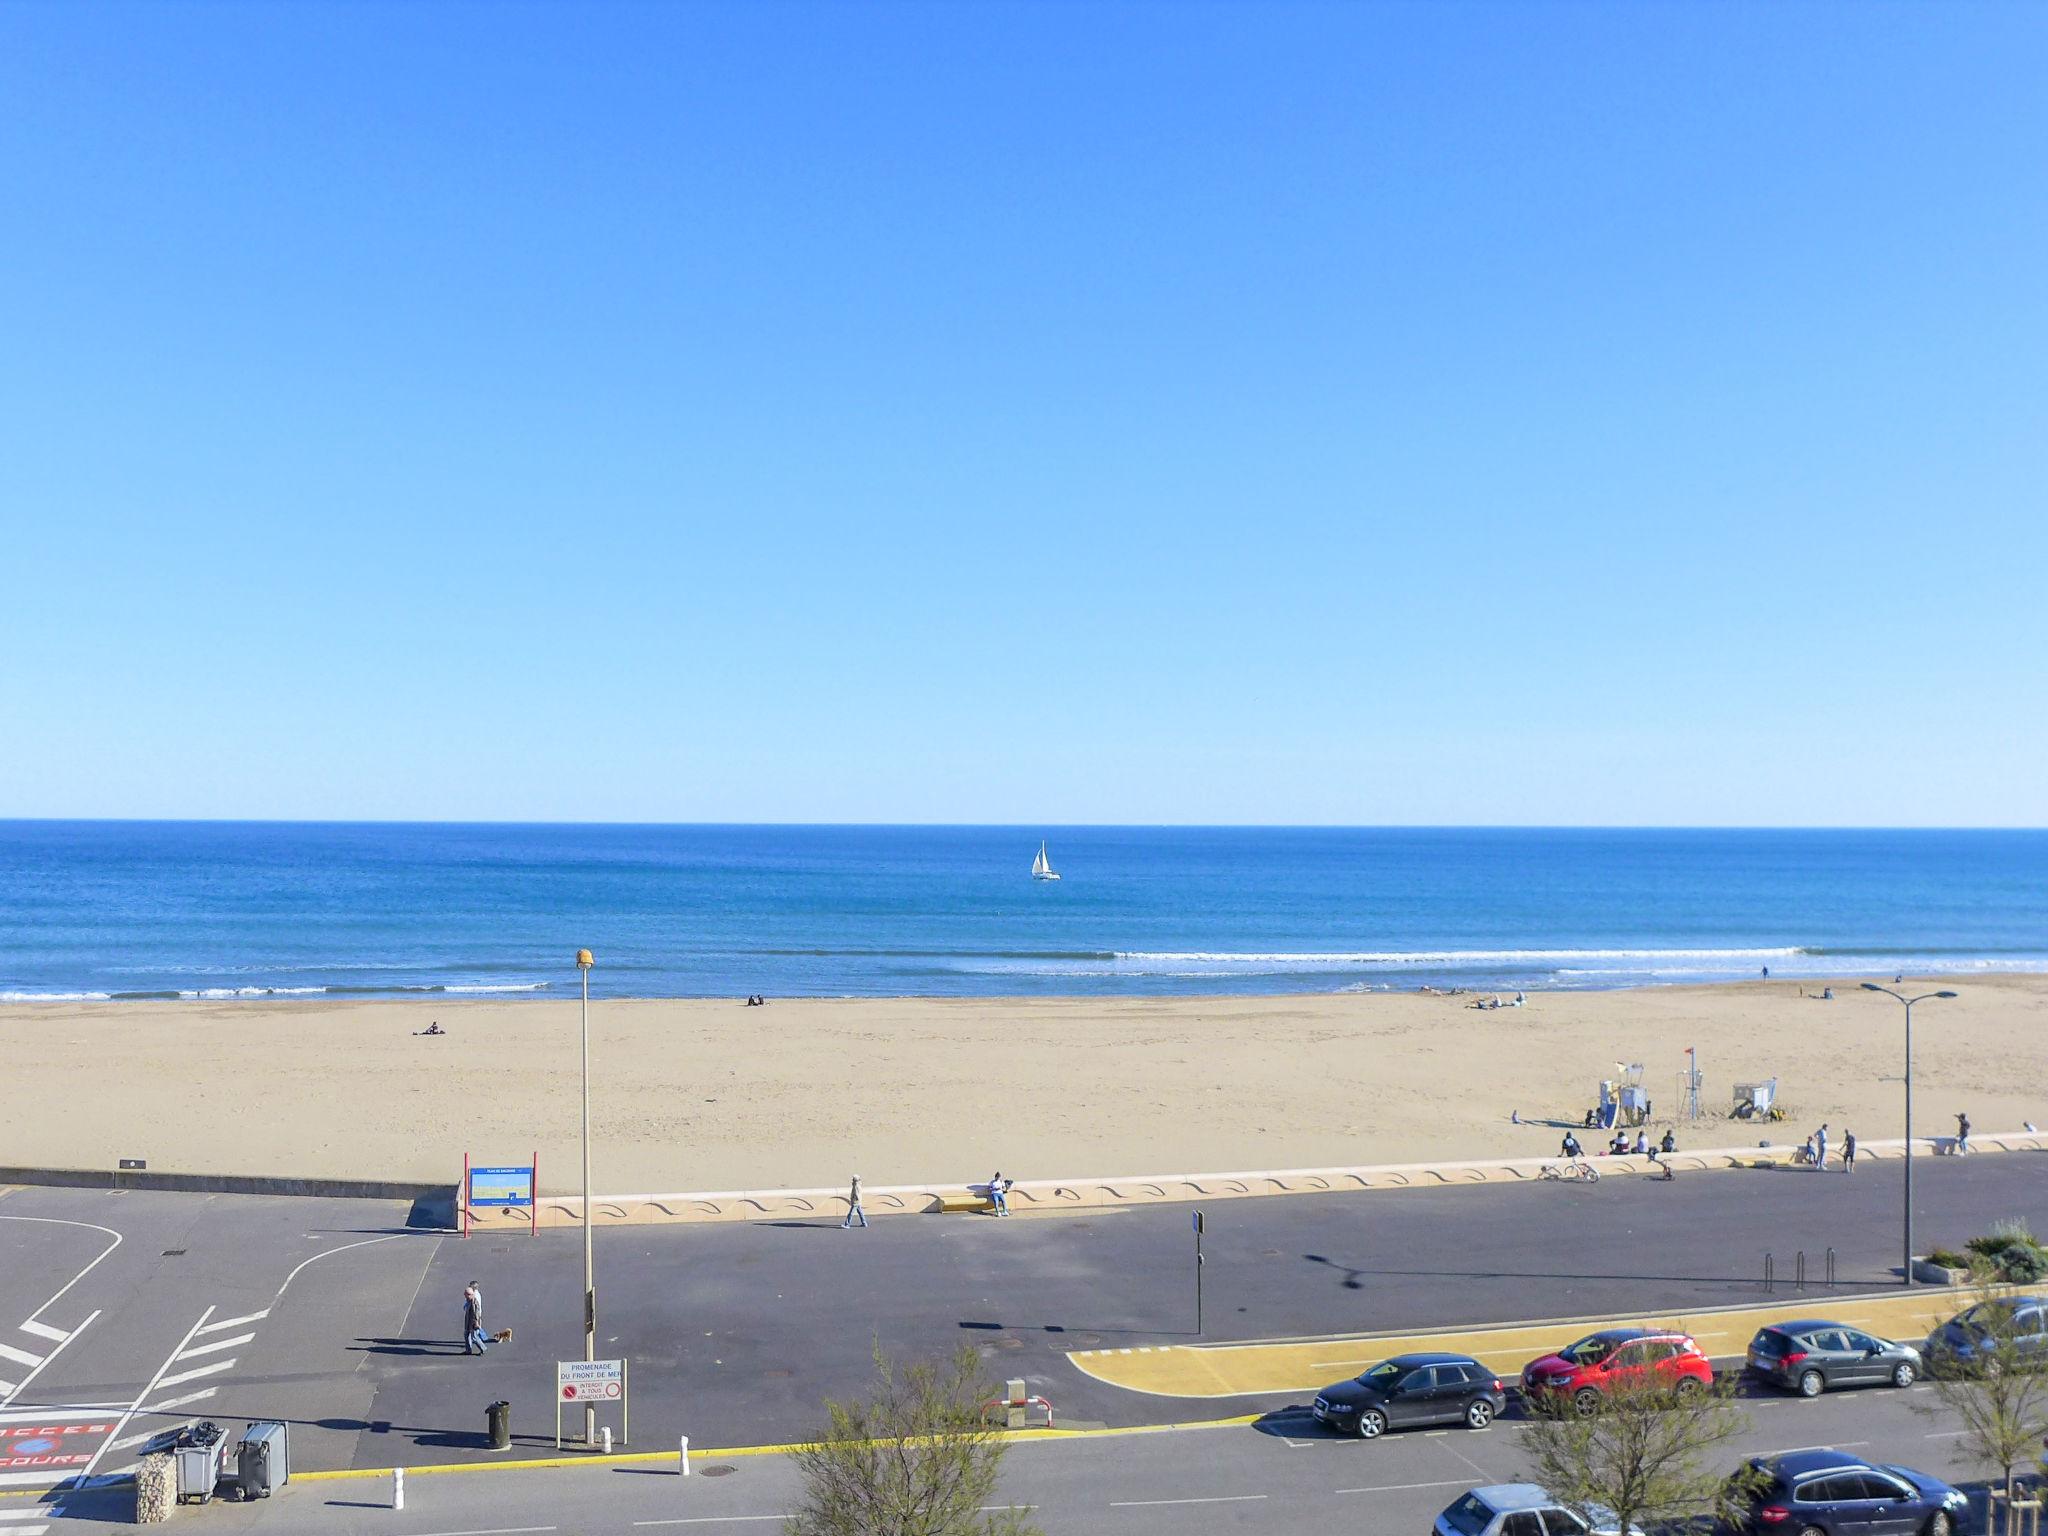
[695, 1095]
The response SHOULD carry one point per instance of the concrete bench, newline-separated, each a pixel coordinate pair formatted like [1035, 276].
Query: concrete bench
[966, 1202]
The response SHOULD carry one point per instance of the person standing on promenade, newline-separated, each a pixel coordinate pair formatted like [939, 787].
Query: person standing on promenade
[1820, 1149]
[1962, 1132]
[1848, 1151]
[473, 1337]
[853, 1211]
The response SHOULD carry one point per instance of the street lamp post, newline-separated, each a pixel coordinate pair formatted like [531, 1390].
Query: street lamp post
[583, 965]
[1871, 986]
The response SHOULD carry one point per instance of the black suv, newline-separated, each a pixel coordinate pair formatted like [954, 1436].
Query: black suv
[1413, 1389]
[1813, 1356]
[1836, 1494]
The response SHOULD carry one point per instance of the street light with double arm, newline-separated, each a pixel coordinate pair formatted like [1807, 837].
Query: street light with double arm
[1871, 986]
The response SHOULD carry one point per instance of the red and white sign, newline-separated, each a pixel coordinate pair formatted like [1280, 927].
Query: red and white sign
[591, 1381]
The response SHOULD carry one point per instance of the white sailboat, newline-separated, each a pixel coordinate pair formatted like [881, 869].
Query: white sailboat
[1041, 867]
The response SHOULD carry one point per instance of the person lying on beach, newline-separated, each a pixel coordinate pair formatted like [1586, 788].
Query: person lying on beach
[432, 1029]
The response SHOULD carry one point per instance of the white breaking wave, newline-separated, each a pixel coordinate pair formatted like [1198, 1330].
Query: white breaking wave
[523, 986]
[1447, 956]
[220, 992]
[54, 997]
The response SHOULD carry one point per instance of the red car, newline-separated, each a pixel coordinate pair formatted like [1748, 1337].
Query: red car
[1600, 1361]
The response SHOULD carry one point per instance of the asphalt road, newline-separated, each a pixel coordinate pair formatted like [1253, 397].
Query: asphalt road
[1278, 1478]
[737, 1333]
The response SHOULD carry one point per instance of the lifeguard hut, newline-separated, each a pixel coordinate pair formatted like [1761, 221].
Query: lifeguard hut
[1623, 1100]
[1758, 1101]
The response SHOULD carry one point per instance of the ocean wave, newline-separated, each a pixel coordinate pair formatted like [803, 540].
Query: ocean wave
[1446, 956]
[56, 997]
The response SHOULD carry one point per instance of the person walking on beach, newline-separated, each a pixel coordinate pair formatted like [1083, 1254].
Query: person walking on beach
[1820, 1149]
[999, 1194]
[1962, 1133]
[474, 1339]
[853, 1211]
[1848, 1151]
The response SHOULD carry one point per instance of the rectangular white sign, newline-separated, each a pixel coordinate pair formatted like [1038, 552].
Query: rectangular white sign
[591, 1381]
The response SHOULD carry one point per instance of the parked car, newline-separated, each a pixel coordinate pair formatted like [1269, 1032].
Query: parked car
[1831, 1493]
[1600, 1361]
[1963, 1335]
[1814, 1356]
[1413, 1389]
[1521, 1509]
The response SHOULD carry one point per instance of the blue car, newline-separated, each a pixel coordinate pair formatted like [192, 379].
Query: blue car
[1833, 1493]
[1960, 1337]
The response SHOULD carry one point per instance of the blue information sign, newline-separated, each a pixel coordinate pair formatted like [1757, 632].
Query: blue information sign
[500, 1186]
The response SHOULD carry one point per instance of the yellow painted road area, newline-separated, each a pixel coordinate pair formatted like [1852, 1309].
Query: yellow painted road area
[1302, 1365]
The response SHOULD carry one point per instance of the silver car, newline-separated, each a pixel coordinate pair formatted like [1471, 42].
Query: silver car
[1520, 1509]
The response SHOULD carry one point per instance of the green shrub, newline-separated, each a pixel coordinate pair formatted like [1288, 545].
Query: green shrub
[1948, 1258]
[1993, 1244]
[2021, 1264]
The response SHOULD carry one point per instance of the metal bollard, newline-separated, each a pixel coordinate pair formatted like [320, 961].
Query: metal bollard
[1770, 1278]
[683, 1457]
[1831, 1267]
[398, 1487]
[1799, 1280]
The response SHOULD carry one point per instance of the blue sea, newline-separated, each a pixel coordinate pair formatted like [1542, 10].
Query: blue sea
[92, 910]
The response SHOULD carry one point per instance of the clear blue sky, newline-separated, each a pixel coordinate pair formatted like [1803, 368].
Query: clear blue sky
[1357, 413]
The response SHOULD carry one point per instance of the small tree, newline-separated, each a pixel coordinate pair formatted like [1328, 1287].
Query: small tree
[1994, 1383]
[915, 1458]
[1641, 1453]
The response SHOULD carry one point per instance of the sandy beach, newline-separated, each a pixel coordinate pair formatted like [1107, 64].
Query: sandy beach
[699, 1095]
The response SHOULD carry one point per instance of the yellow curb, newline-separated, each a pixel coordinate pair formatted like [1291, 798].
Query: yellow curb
[1302, 1365]
[640, 1457]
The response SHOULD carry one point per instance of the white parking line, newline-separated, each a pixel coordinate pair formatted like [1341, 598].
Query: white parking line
[1225, 1498]
[217, 1344]
[1459, 1482]
[45, 1331]
[195, 1373]
[181, 1402]
[235, 1322]
[497, 1530]
[711, 1520]
[19, 1356]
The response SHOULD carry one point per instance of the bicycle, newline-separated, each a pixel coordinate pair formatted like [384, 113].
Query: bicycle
[1582, 1173]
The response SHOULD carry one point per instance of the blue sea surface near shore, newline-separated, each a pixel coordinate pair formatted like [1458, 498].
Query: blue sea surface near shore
[113, 910]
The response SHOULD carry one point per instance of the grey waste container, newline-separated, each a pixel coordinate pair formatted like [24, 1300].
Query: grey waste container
[263, 1461]
[499, 1418]
[200, 1451]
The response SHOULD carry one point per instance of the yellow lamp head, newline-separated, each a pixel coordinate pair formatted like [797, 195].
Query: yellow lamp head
[583, 960]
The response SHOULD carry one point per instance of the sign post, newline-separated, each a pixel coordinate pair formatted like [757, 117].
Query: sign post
[513, 1187]
[1198, 1273]
[590, 1382]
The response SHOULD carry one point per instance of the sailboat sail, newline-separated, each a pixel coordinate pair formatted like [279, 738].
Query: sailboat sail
[1041, 867]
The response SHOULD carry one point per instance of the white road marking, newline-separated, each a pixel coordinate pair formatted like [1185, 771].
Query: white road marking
[60, 1413]
[344, 1248]
[711, 1520]
[39, 1512]
[1225, 1498]
[1839, 1445]
[45, 1331]
[235, 1322]
[1459, 1482]
[19, 1356]
[144, 1395]
[147, 1434]
[195, 1373]
[496, 1530]
[217, 1344]
[10, 1390]
[7, 1393]
[181, 1402]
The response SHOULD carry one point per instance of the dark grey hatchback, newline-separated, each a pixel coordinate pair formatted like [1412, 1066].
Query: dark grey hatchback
[1814, 1355]
[1413, 1389]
